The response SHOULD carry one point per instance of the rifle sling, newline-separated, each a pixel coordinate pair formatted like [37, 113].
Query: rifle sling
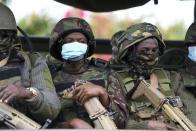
[7, 73]
[132, 91]
[61, 86]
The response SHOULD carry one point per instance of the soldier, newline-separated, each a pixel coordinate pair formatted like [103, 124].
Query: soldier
[25, 80]
[190, 41]
[188, 93]
[71, 42]
[139, 47]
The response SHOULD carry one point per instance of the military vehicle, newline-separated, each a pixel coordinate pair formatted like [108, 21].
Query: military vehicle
[103, 45]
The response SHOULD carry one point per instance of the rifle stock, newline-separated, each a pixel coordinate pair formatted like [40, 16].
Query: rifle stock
[16, 120]
[94, 108]
[165, 105]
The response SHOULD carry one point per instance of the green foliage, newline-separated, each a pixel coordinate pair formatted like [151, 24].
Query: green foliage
[104, 26]
[174, 32]
[6, 2]
[37, 24]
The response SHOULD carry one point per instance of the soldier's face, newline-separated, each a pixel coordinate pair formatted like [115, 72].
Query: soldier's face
[75, 37]
[147, 46]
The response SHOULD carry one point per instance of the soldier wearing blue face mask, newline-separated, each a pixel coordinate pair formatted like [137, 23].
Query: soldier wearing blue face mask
[74, 50]
[72, 42]
[190, 62]
[188, 93]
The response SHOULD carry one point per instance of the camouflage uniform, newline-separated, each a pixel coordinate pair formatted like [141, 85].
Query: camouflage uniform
[70, 108]
[188, 93]
[190, 72]
[141, 109]
[27, 69]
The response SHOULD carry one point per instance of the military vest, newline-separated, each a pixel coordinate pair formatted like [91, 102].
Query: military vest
[142, 108]
[69, 107]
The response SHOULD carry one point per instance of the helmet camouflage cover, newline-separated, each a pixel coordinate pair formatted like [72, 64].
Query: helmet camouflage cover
[138, 33]
[66, 26]
[190, 37]
[113, 43]
[8, 32]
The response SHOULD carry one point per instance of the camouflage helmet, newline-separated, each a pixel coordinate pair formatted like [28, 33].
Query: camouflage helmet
[190, 37]
[66, 26]
[7, 19]
[114, 44]
[138, 33]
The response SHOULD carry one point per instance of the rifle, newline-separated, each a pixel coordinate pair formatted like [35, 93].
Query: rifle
[96, 111]
[167, 105]
[16, 120]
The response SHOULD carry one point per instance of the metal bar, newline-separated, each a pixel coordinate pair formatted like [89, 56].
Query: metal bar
[195, 11]
[103, 46]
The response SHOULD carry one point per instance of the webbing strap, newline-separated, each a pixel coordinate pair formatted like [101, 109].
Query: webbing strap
[60, 86]
[6, 73]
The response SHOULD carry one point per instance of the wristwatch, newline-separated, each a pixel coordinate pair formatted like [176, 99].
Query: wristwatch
[33, 91]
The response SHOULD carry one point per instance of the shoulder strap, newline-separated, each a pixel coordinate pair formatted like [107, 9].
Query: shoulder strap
[60, 86]
[162, 76]
[26, 70]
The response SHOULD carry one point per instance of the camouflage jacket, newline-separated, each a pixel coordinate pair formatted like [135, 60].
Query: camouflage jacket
[71, 109]
[188, 92]
[189, 73]
[141, 110]
[32, 71]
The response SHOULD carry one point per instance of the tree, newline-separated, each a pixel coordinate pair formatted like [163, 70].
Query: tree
[35, 24]
[6, 2]
[103, 26]
[176, 31]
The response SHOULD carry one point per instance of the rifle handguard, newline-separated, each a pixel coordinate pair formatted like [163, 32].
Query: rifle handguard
[165, 105]
[16, 120]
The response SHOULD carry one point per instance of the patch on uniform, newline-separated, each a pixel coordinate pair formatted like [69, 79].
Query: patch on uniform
[7, 73]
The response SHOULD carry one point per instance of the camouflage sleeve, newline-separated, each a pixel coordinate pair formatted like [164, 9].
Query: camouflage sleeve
[187, 98]
[117, 102]
[46, 104]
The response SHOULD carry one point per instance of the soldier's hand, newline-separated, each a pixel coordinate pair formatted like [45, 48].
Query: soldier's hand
[159, 125]
[10, 91]
[89, 90]
[76, 124]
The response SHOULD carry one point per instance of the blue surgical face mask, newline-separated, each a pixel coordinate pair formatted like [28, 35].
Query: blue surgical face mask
[192, 53]
[73, 51]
